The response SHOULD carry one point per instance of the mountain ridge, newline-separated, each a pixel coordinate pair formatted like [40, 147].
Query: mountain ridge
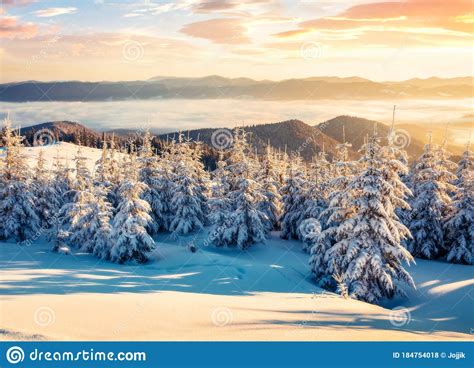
[217, 87]
[291, 135]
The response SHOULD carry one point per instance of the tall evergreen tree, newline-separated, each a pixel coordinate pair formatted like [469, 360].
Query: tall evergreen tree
[245, 224]
[219, 202]
[189, 200]
[19, 219]
[101, 229]
[115, 174]
[318, 185]
[431, 189]
[77, 215]
[459, 224]
[271, 204]
[364, 255]
[165, 176]
[294, 195]
[465, 165]
[150, 176]
[393, 165]
[102, 172]
[47, 200]
[62, 180]
[131, 240]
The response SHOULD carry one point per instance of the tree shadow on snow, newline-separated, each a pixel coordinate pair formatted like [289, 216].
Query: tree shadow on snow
[37, 270]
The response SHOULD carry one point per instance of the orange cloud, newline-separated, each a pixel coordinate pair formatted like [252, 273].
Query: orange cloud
[114, 56]
[103, 47]
[411, 17]
[10, 28]
[222, 31]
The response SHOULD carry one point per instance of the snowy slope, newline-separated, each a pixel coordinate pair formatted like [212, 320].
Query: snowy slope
[65, 151]
[265, 293]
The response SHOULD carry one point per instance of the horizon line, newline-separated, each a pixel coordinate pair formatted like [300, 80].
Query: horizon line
[151, 79]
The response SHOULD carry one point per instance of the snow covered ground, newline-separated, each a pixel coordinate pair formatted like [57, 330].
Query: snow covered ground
[66, 152]
[265, 293]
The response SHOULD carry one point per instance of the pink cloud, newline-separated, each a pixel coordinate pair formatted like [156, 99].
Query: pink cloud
[407, 23]
[411, 13]
[10, 28]
[222, 31]
[17, 2]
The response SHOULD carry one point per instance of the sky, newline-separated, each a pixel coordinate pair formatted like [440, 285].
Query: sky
[261, 39]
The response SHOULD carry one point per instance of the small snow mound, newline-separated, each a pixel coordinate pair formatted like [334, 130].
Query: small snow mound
[63, 250]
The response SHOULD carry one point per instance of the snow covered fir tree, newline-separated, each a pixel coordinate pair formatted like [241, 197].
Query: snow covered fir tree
[363, 252]
[362, 216]
[18, 213]
[131, 239]
[294, 195]
[243, 223]
[189, 201]
[431, 183]
[459, 224]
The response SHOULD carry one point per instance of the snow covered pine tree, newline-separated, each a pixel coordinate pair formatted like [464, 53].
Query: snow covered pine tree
[131, 240]
[245, 224]
[19, 219]
[363, 252]
[431, 188]
[459, 224]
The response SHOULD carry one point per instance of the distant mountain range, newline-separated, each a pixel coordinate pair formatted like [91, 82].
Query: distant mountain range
[357, 129]
[291, 135]
[217, 87]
